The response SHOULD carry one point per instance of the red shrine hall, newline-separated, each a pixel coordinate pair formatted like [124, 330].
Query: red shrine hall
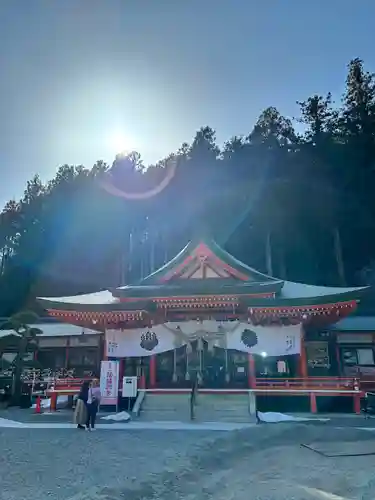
[205, 314]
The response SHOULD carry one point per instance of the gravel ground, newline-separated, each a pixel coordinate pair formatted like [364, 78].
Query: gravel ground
[264, 463]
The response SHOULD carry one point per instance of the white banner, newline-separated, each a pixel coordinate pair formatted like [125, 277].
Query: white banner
[264, 340]
[128, 343]
[109, 382]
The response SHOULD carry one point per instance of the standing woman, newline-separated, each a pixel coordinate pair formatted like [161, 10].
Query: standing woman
[80, 414]
[93, 402]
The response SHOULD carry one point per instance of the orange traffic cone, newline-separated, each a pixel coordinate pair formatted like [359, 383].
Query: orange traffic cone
[38, 406]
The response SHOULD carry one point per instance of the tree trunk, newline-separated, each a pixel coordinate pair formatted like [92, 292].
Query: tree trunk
[339, 256]
[269, 254]
[282, 263]
[152, 252]
[130, 256]
[17, 383]
[2, 263]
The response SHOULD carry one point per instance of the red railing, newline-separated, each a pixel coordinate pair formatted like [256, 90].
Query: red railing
[334, 383]
[287, 383]
[69, 383]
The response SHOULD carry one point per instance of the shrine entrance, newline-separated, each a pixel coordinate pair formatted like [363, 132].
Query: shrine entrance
[222, 368]
[216, 368]
[213, 368]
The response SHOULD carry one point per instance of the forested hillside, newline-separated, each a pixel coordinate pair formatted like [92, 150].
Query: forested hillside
[299, 206]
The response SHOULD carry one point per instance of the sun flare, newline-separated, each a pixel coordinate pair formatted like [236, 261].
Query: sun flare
[121, 143]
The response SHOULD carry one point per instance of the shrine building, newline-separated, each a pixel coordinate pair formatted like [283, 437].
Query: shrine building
[205, 314]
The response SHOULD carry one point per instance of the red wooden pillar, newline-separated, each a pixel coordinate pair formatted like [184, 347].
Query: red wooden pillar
[152, 371]
[251, 373]
[302, 357]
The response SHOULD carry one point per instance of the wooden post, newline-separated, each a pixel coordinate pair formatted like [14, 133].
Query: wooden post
[251, 373]
[140, 373]
[142, 381]
[313, 406]
[357, 403]
[53, 405]
[153, 371]
[121, 370]
[67, 353]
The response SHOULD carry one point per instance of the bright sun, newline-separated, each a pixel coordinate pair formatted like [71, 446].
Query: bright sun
[120, 143]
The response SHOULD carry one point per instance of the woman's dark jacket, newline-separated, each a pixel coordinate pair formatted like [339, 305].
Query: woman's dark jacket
[84, 392]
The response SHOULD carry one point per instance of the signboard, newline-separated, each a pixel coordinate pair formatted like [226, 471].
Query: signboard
[129, 387]
[109, 382]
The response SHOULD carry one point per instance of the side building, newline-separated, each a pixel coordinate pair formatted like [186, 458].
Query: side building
[62, 350]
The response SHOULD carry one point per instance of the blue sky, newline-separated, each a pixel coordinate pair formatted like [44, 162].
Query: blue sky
[77, 75]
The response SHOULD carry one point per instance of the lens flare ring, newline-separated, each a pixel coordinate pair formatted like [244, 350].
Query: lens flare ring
[108, 183]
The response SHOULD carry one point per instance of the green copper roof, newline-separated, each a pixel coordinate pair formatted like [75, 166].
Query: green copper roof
[317, 298]
[181, 288]
[68, 305]
[219, 252]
